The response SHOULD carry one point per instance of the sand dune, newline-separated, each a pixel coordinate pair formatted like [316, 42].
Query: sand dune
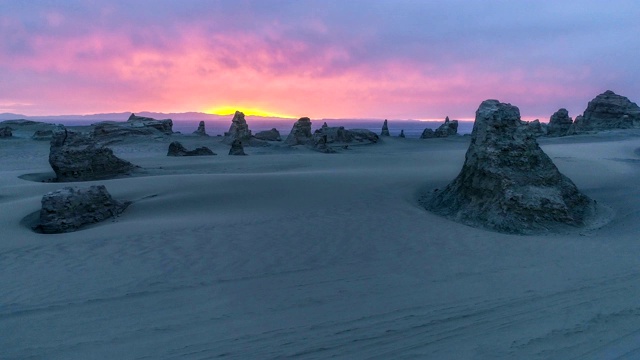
[293, 253]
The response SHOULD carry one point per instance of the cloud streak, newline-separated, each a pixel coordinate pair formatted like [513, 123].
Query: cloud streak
[396, 59]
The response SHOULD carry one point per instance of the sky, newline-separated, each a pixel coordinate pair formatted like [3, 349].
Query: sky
[396, 59]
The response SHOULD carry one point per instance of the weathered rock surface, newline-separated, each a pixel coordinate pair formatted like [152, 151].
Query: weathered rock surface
[200, 131]
[239, 130]
[268, 135]
[41, 135]
[507, 182]
[333, 134]
[300, 133]
[559, 123]
[237, 148]
[77, 157]
[427, 134]
[607, 111]
[5, 132]
[113, 131]
[70, 208]
[177, 149]
[165, 125]
[537, 128]
[449, 128]
[385, 129]
[320, 144]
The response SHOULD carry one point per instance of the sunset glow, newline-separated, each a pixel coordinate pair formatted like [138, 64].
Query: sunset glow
[394, 59]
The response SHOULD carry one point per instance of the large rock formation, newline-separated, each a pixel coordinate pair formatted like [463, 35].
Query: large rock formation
[385, 129]
[70, 208]
[449, 128]
[239, 130]
[559, 123]
[177, 149]
[507, 182]
[77, 157]
[200, 131]
[165, 125]
[269, 135]
[5, 132]
[111, 131]
[237, 148]
[608, 111]
[300, 133]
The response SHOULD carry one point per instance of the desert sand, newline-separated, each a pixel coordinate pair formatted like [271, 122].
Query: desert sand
[291, 253]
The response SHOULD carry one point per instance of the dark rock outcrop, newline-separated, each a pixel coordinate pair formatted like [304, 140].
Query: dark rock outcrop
[333, 134]
[401, 134]
[70, 208]
[320, 144]
[607, 111]
[77, 157]
[537, 128]
[385, 129]
[449, 128]
[42, 135]
[236, 148]
[165, 126]
[177, 149]
[268, 135]
[507, 182]
[112, 131]
[300, 133]
[427, 134]
[5, 132]
[200, 131]
[239, 130]
[559, 123]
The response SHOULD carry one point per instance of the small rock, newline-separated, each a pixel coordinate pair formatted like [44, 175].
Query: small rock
[200, 131]
[385, 129]
[269, 135]
[236, 148]
[177, 149]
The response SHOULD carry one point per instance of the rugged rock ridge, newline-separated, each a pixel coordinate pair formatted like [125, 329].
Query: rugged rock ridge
[507, 183]
[77, 157]
[177, 149]
[607, 111]
[70, 208]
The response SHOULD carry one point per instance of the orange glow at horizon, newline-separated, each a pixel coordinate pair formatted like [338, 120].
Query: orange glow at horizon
[248, 111]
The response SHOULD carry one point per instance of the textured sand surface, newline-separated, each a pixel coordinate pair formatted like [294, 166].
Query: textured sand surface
[292, 253]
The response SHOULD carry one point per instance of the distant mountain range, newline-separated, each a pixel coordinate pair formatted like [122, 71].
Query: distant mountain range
[123, 116]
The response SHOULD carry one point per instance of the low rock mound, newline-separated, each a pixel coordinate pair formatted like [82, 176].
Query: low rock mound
[269, 135]
[165, 125]
[177, 149]
[427, 134]
[507, 182]
[42, 135]
[70, 208]
[449, 128]
[5, 132]
[77, 157]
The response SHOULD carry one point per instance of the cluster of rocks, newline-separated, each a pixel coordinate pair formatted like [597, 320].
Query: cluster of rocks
[70, 208]
[507, 183]
[177, 149]
[76, 156]
[605, 112]
[449, 128]
[321, 138]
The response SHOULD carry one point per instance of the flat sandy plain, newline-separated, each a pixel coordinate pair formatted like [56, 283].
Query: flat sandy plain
[290, 253]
